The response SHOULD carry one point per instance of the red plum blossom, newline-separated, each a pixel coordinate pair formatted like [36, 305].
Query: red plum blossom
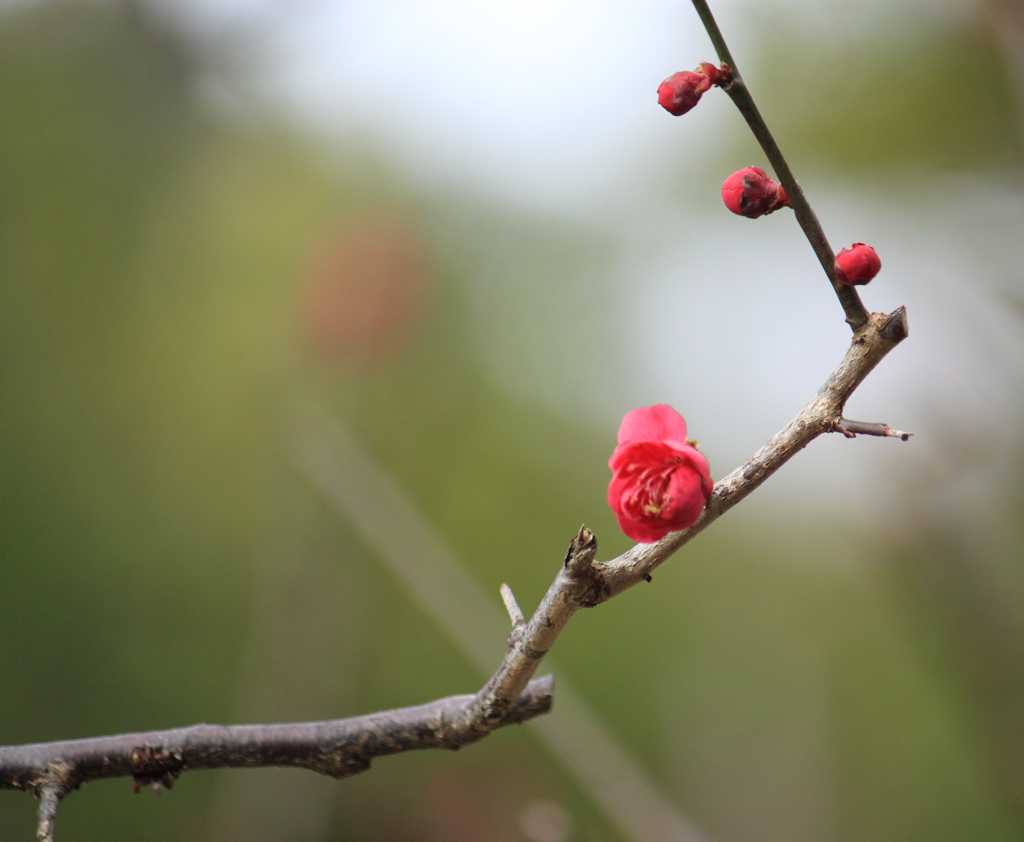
[660, 481]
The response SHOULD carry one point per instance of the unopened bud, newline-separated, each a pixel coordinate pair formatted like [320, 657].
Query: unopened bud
[857, 265]
[750, 192]
[681, 91]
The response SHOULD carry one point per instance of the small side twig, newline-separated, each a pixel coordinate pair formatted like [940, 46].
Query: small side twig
[853, 307]
[50, 796]
[515, 613]
[852, 429]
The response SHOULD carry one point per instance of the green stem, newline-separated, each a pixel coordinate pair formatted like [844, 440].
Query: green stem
[856, 312]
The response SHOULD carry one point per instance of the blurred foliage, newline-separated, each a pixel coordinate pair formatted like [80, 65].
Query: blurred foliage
[174, 286]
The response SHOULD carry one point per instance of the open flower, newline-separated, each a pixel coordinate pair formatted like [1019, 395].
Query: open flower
[660, 481]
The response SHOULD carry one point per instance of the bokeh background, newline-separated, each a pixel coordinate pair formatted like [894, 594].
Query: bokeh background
[317, 320]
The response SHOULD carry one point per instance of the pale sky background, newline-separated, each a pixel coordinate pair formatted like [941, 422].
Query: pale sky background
[548, 107]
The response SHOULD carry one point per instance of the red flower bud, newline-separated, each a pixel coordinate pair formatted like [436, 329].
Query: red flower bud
[681, 91]
[750, 192]
[857, 265]
[660, 481]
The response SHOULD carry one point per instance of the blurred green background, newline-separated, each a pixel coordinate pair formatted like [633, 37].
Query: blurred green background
[182, 282]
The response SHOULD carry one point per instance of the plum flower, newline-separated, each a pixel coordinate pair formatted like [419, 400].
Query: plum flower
[660, 481]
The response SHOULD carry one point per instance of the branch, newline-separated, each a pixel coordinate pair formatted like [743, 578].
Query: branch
[822, 414]
[583, 582]
[345, 747]
[339, 748]
[856, 312]
[373, 503]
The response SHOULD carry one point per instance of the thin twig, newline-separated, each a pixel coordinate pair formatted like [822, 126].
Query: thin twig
[50, 796]
[515, 613]
[853, 307]
[851, 429]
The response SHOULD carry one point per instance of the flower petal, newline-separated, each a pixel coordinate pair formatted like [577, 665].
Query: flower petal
[688, 495]
[653, 423]
[639, 531]
[644, 453]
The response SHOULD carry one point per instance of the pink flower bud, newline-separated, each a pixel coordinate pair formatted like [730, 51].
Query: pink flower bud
[681, 91]
[750, 192]
[660, 481]
[857, 265]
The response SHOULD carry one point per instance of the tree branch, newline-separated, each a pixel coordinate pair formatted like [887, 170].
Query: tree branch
[372, 502]
[339, 748]
[822, 414]
[583, 582]
[345, 747]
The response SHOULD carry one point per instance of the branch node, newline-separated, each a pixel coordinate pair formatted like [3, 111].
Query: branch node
[895, 328]
[158, 781]
[582, 549]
